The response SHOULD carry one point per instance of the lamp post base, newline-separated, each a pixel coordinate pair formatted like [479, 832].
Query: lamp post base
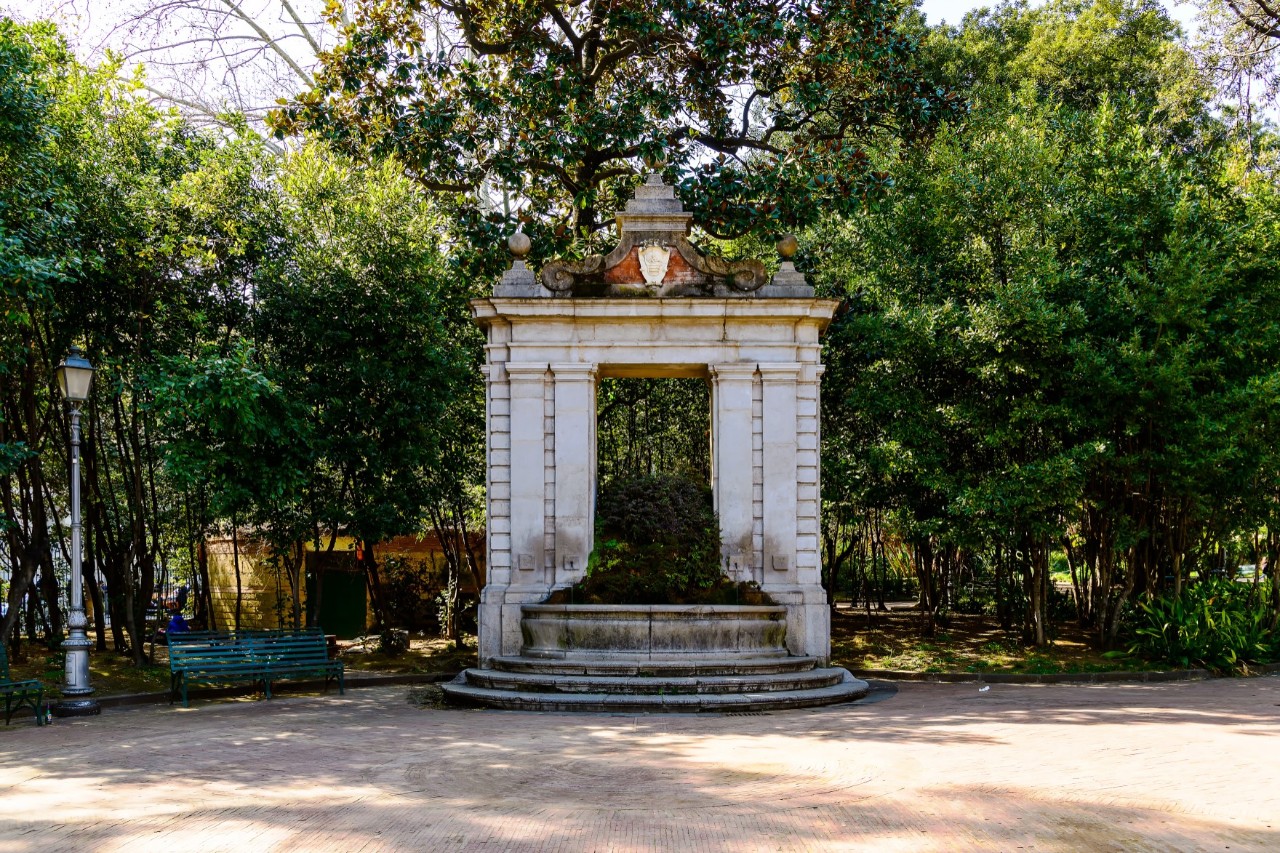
[81, 707]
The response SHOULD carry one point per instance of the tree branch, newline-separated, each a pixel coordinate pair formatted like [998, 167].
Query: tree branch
[269, 41]
[462, 11]
[302, 28]
[1270, 31]
[565, 27]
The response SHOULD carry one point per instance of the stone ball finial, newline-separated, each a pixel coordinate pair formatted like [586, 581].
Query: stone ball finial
[519, 244]
[787, 246]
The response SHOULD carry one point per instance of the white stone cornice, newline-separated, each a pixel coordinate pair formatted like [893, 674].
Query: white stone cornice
[733, 370]
[526, 369]
[574, 370]
[496, 309]
[780, 371]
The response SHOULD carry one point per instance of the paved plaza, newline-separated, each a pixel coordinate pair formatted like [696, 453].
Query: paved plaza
[1178, 766]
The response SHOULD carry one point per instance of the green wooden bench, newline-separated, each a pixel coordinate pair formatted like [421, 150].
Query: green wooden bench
[253, 657]
[20, 694]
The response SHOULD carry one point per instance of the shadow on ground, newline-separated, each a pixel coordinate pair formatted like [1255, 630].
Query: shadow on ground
[935, 767]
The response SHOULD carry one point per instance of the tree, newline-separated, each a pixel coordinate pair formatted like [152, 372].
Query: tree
[34, 258]
[1239, 44]
[761, 110]
[223, 63]
[350, 322]
[92, 179]
[1065, 342]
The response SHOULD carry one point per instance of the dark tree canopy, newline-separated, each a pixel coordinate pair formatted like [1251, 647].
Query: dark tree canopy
[762, 110]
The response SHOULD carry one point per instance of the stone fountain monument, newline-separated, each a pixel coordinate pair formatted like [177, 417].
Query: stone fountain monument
[653, 307]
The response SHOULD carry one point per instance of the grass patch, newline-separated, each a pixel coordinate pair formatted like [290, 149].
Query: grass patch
[113, 674]
[977, 644]
[425, 654]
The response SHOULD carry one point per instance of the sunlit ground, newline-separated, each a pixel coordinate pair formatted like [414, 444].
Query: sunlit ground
[1182, 766]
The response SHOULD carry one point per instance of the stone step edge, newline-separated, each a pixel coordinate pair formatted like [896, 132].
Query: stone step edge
[654, 668]
[585, 655]
[849, 690]
[491, 679]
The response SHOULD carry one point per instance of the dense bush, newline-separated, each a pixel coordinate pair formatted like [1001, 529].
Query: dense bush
[658, 542]
[411, 587]
[393, 642]
[1220, 624]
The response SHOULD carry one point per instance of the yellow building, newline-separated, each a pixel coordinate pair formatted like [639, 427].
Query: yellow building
[332, 579]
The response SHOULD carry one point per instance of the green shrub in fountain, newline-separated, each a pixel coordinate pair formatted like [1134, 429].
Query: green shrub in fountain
[657, 542]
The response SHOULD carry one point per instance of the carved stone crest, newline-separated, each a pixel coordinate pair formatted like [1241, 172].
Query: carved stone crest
[653, 263]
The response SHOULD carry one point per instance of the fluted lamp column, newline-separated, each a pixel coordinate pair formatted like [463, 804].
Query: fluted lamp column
[75, 378]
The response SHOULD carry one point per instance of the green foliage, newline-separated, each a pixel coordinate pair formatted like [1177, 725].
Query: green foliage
[33, 208]
[762, 111]
[1062, 318]
[393, 642]
[231, 429]
[352, 321]
[88, 253]
[1220, 624]
[658, 542]
[649, 425]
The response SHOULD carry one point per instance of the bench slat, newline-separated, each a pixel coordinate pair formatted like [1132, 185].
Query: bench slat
[257, 656]
[28, 693]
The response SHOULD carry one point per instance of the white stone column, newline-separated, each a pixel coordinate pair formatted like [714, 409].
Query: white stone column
[808, 444]
[575, 452]
[731, 462]
[528, 473]
[528, 573]
[497, 404]
[779, 434]
[814, 629]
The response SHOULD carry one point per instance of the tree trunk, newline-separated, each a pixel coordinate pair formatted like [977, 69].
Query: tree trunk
[235, 558]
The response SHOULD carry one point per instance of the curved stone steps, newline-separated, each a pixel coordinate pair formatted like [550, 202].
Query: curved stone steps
[847, 689]
[529, 682]
[684, 666]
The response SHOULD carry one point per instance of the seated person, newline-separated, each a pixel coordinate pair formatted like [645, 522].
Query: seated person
[177, 625]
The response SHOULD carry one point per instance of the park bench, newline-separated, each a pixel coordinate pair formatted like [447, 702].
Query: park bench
[20, 694]
[253, 657]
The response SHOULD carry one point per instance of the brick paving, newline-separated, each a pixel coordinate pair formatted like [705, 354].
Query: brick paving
[1179, 766]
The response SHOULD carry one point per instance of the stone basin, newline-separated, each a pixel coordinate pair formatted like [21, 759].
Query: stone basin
[653, 631]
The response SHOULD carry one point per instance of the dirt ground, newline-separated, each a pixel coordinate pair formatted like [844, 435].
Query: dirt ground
[893, 640]
[1187, 766]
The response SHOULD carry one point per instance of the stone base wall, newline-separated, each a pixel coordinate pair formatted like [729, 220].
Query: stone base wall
[637, 631]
